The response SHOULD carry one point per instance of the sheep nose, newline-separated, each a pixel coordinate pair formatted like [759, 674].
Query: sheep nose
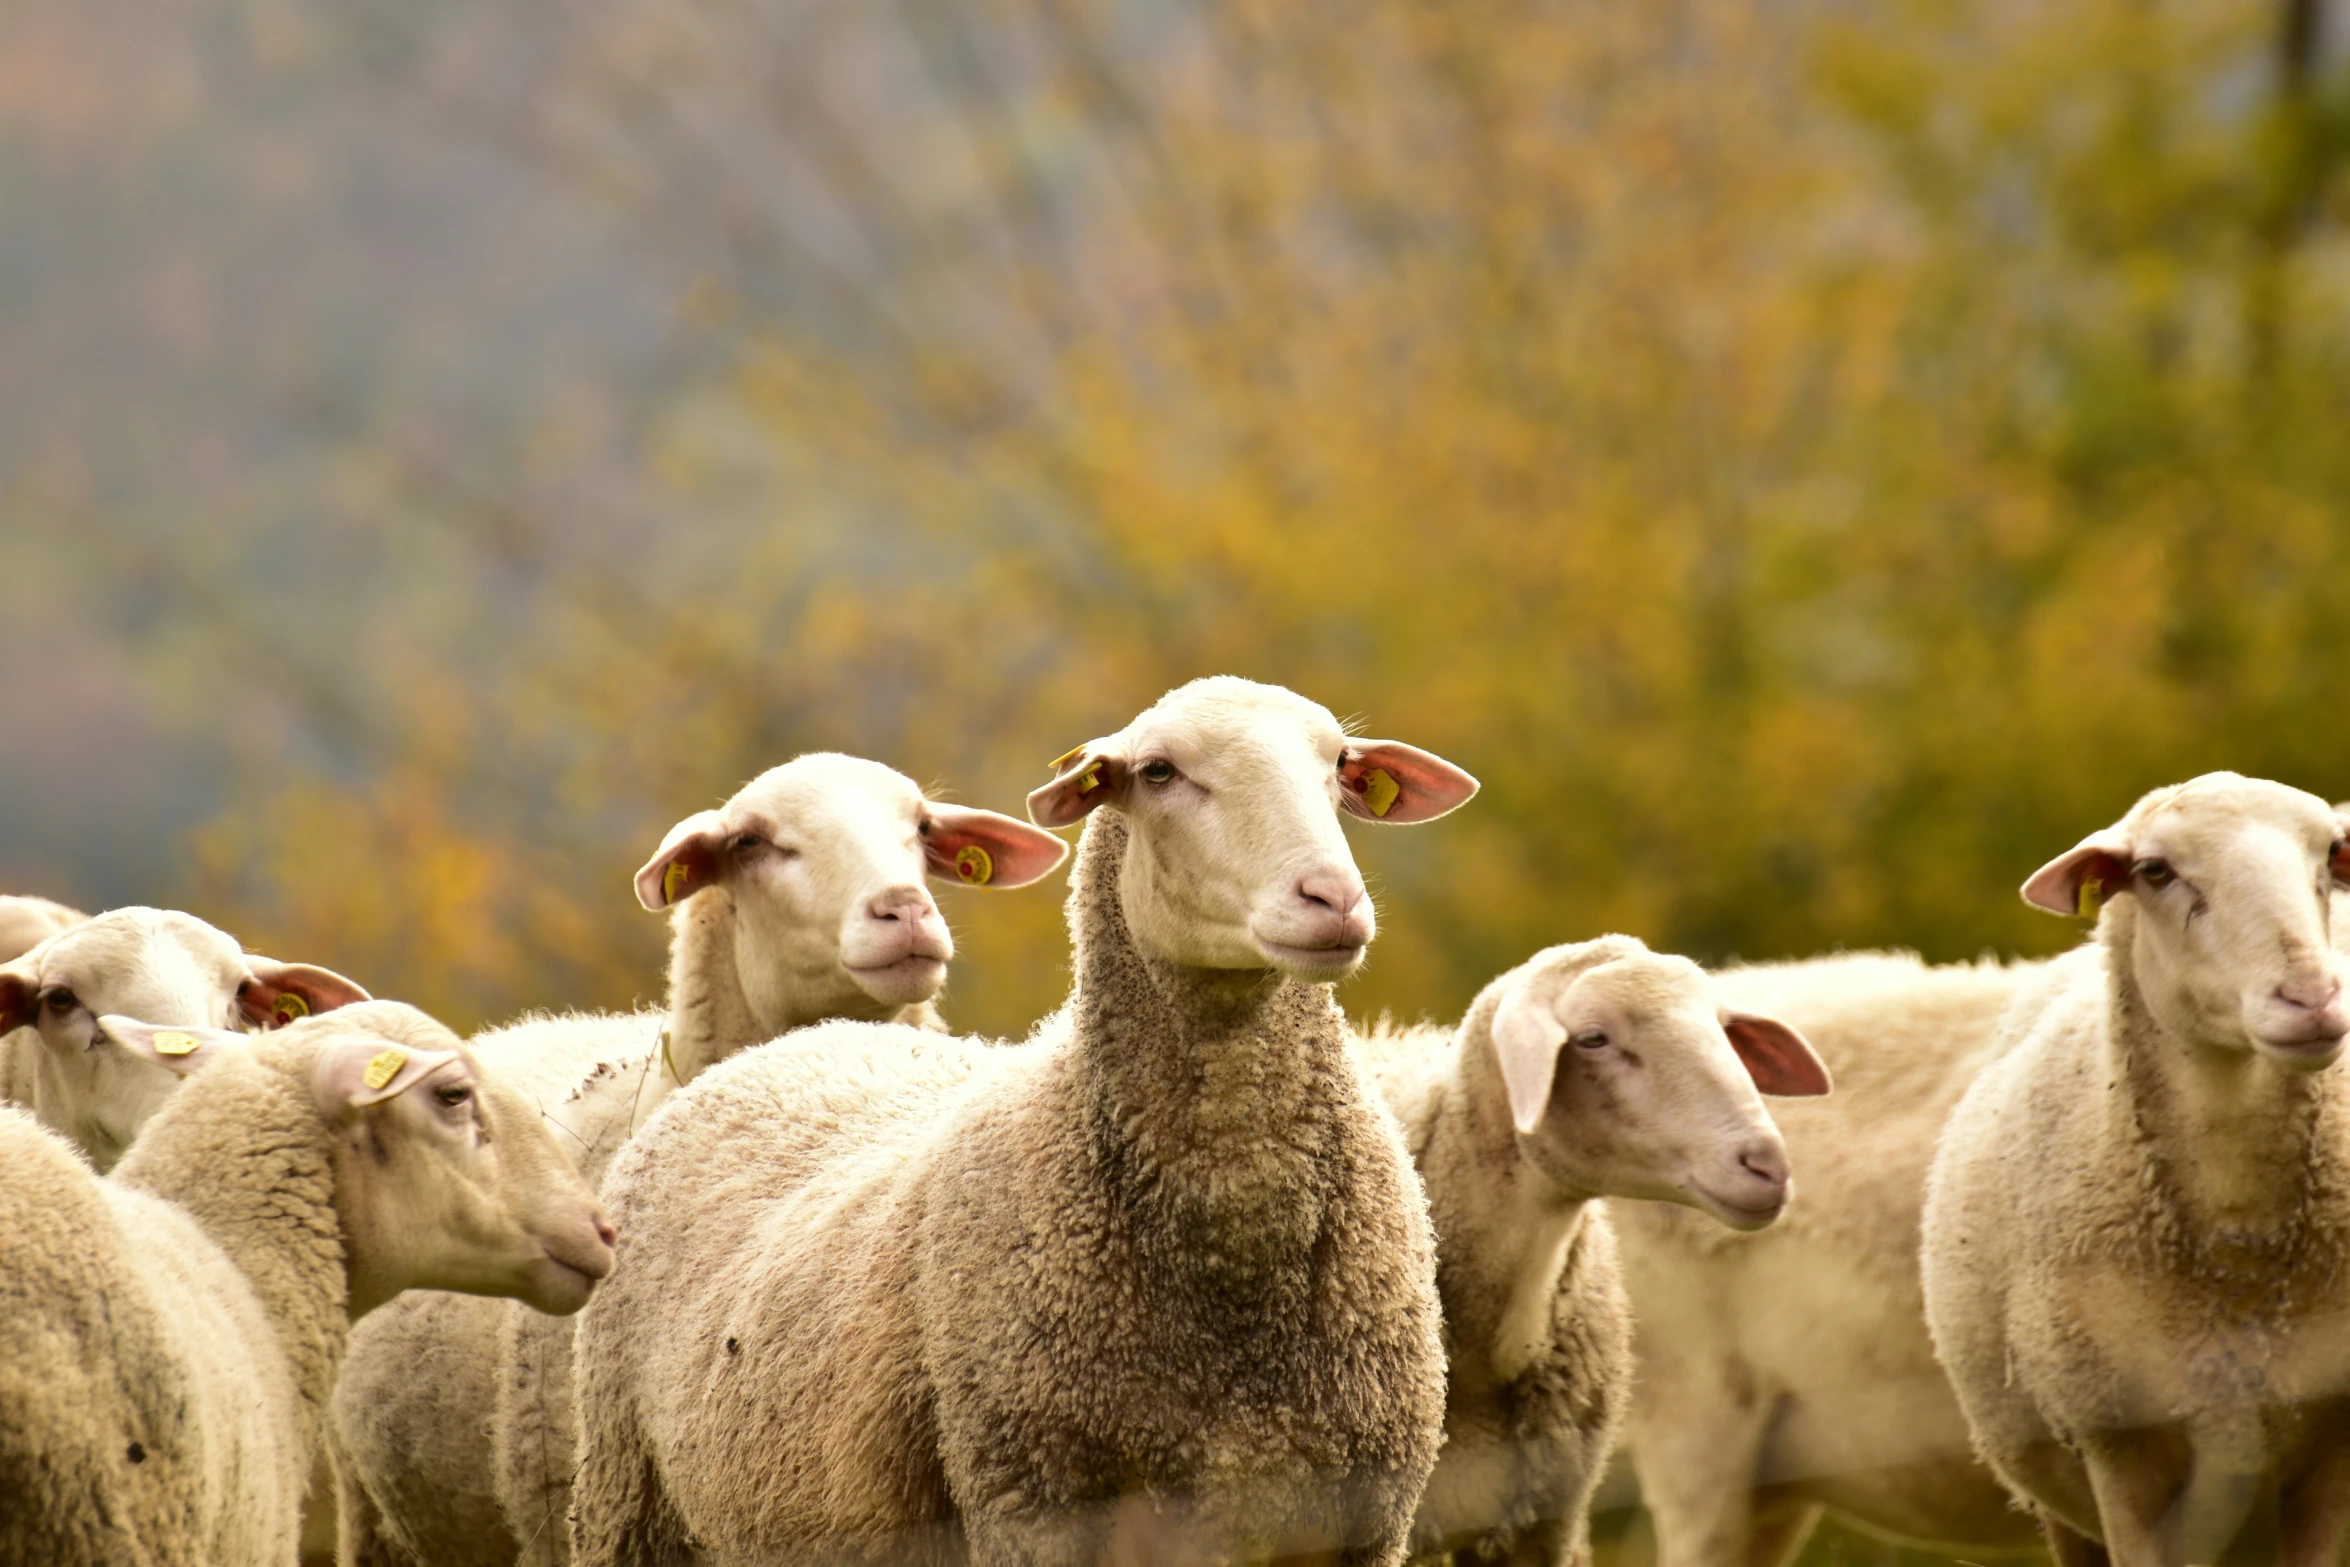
[1765, 1158]
[2310, 995]
[605, 1232]
[906, 905]
[1336, 891]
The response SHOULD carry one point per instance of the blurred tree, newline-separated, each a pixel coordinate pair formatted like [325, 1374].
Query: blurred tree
[1812, 464]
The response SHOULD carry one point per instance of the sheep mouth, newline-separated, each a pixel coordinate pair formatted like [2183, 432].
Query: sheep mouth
[915, 976]
[1742, 1216]
[1331, 962]
[561, 1288]
[2308, 1052]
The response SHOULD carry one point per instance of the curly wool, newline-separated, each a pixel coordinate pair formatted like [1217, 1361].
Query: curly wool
[1523, 1449]
[1165, 1273]
[169, 1336]
[470, 1465]
[2069, 1164]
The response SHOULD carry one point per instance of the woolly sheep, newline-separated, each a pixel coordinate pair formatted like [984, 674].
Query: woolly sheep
[2138, 1219]
[1790, 1370]
[1598, 1069]
[1157, 1283]
[169, 1334]
[801, 898]
[157, 964]
[25, 922]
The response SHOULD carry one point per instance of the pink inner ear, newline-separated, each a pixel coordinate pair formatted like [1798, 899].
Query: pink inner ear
[1098, 777]
[16, 999]
[2057, 885]
[692, 844]
[1011, 853]
[1779, 1059]
[1420, 785]
[283, 992]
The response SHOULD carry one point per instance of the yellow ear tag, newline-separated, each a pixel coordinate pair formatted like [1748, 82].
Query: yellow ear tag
[289, 1007]
[171, 1042]
[1066, 757]
[673, 880]
[2092, 898]
[975, 865]
[1090, 780]
[383, 1068]
[1379, 791]
[670, 1061]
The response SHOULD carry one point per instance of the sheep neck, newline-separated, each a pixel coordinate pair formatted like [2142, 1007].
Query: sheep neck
[1211, 1096]
[267, 1202]
[1509, 1233]
[2234, 1147]
[1505, 1231]
[711, 1015]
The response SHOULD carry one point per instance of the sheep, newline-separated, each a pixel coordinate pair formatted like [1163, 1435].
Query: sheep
[801, 898]
[2137, 1221]
[1790, 1370]
[26, 922]
[1159, 1281]
[1515, 1134]
[169, 1334]
[157, 964]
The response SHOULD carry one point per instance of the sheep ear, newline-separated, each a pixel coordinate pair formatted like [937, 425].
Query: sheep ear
[354, 1073]
[983, 849]
[182, 1050]
[1388, 781]
[281, 992]
[1092, 774]
[2079, 880]
[1527, 1034]
[1780, 1060]
[686, 862]
[19, 993]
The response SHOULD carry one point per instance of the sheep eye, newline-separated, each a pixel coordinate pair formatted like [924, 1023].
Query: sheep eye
[2157, 873]
[748, 840]
[60, 1000]
[1589, 1039]
[1158, 771]
[454, 1094]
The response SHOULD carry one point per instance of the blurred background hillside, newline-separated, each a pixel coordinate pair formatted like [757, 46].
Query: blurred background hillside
[1812, 461]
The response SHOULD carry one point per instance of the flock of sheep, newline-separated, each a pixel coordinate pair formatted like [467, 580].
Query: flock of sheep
[1201, 1271]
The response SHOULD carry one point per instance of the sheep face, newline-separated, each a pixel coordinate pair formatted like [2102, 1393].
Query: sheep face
[147, 963]
[825, 859]
[1628, 1079]
[1234, 856]
[2227, 920]
[442, 1179]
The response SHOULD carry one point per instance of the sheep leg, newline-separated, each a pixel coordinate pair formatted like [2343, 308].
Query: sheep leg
[2069, 1546]
[1777, 1527]
[620, 1514]
[1065, 1539]
[2316, 1505]
[1548, 1542]
[2140, 1480]
[360, 1540]
[1698, 1472]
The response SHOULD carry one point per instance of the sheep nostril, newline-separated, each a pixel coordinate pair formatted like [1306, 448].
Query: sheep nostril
[1766, 1164]
[2309, 997]
[606, 1233]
